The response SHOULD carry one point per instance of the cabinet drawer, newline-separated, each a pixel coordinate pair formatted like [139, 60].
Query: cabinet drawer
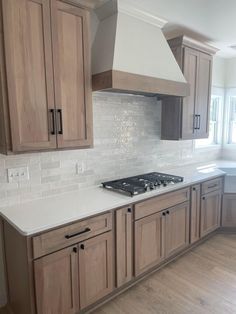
[212, 185]
[159, 203]
[54, 240]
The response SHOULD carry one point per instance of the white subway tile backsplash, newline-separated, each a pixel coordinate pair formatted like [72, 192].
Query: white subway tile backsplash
[126, 142]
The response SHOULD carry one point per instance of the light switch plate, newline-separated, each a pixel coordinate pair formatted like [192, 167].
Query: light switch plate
[18, 174]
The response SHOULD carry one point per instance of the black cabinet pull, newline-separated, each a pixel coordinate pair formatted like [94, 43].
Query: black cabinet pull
[203, 198]
[60, 123]
[53, 121]
[75, 249]
[163, 214]
[194, 189]
[129, 210]
[199, 122]
[168, 212]
[69, 236]
[195, 122]
[82, 246]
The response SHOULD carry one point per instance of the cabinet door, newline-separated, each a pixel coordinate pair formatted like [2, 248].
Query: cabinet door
[177, 229]
[95, 269]
[72, 74]
[149, 242]
[195, 213]
[204, 95]
[229, 210]
[124, 246]
[56, 282]
[190, 70]
[210, 212]
[27, 36]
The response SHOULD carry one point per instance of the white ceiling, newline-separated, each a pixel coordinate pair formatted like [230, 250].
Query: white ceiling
[213, 21]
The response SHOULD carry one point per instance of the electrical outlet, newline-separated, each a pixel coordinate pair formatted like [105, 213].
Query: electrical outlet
[18, 174]
[80, 167]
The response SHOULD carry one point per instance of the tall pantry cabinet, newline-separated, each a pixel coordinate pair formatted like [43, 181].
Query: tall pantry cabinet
[45, 76]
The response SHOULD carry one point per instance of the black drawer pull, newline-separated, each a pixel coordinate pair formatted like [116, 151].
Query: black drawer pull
[82, 247]
[168, 212]
[163, 214]
[212, 186]
[69, 236]
[129, 210]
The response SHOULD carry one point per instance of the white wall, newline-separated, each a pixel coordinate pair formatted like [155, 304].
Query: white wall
[230, 73]
[218, 72]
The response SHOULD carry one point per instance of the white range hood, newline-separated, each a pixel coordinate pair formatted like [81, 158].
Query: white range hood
[130, 53]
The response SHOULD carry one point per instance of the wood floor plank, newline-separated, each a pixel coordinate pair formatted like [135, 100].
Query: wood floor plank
[201, 282]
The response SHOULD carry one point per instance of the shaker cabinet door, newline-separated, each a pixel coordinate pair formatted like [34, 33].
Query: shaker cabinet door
[191, 62]
[149, 242]
[71, 59]
[202, 109]
[177, 229]
[56, 282]
[28, 55]
[95, 269]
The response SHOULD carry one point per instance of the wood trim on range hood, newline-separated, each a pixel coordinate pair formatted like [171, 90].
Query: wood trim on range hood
[118, 81]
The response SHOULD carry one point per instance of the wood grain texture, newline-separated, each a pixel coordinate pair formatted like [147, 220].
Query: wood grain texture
[229, 210]
[95, 269]
[210, 212]
[56, 282]
[54, 240]
[124, 246]
[128, 82]
[202, 281]
[176, 229]
[72, 74]
[27, 39]
[149, 242]
[212, 185]
[161, 202]
[195, 211]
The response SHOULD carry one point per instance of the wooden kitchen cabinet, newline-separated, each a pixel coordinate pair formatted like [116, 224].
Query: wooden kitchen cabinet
[56, 282]
[149, 242]
[45, 76]
[229, 210]
[195, 213]
[124, 245]
[176, 229]
[210, 212]
[188, 118]
[95, 269]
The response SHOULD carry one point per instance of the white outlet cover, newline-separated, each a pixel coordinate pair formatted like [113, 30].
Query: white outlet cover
[80, 167]
[18, 174]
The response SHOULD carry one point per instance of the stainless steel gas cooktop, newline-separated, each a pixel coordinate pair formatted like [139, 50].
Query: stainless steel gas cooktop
[142, 183]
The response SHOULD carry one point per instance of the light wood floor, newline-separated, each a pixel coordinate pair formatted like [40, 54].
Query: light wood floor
[202, 281]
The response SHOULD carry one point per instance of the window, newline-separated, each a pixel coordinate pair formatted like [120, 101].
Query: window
[232, 120]
[215, 123]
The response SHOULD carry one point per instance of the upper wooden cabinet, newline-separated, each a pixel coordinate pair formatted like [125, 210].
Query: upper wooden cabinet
[188, 118]
[45, 76]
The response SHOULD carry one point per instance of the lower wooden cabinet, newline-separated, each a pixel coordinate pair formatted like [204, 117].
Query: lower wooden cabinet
[176, 229]
[56, 282]
[149, 242]
[195, 213]
[229, 210]
[124, 245]
[95, 269]
[210, 212]
[160, 235]
[74, 278]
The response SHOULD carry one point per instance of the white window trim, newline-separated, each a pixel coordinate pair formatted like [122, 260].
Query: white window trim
[229, 93]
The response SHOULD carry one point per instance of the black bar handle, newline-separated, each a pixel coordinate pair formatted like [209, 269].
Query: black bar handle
[53, 121]
[69, 236]
[195, 122]
[199, 122]
[60, 127]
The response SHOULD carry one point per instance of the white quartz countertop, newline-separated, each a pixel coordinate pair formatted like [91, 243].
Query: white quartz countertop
[40, 215]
